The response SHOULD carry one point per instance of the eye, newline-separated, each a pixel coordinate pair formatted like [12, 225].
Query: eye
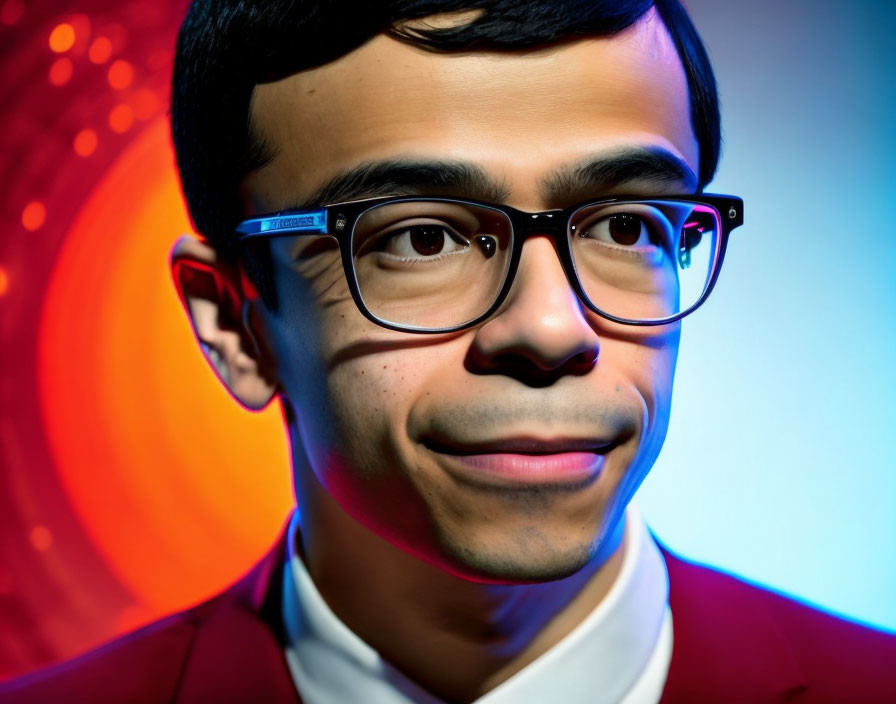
[624, 229]
[424, 240]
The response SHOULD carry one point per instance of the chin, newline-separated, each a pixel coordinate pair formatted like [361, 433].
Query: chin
[522, 558]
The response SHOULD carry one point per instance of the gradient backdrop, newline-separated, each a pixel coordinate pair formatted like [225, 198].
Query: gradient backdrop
[131, 485]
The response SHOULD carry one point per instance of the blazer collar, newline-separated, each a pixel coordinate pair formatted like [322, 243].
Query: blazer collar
[238, 650]
[727, 645]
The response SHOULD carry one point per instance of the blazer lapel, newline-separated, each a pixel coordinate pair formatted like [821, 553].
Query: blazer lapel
[727, 645]
[238, 651]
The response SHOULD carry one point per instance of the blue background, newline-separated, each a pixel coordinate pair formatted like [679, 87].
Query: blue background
[780, 463]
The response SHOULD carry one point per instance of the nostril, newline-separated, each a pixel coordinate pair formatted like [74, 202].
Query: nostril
[532, 370]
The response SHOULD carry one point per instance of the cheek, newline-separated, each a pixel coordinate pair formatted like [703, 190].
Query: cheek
[366, 397]
[652, 370]
[644, 368]
[374, 380]
[299, 334]
[644, 362]
[352, 382]
[649, 362]
[379, 387]
[657, 374]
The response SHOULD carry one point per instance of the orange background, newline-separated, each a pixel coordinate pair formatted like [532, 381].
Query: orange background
[132, 484]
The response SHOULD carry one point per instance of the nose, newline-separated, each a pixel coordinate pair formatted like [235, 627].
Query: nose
[541, 331]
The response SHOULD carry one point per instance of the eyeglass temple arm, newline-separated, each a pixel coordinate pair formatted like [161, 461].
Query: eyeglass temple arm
[308, 221]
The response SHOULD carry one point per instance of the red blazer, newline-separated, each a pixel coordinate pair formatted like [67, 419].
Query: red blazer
[733, 642]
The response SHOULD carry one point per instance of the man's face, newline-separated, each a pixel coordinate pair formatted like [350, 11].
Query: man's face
[507, 451]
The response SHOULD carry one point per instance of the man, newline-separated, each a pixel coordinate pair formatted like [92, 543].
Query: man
[457, 241]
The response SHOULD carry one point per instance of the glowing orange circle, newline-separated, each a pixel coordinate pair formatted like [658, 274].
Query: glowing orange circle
[33, 215]
[120, 74]
[62, 38]
[41, 538]
[61, 71]
[85, 142]
[121, 118]
[178, 487]
[100, 50]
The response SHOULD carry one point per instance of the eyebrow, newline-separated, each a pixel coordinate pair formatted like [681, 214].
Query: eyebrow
[648, 167]
[409, 177]
[651, 167]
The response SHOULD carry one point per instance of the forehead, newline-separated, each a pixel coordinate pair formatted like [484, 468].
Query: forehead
[519, 115]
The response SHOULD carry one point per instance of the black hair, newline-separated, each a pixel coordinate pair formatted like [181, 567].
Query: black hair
[226, 47]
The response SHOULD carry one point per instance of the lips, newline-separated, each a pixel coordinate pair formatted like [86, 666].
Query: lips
[524, 462]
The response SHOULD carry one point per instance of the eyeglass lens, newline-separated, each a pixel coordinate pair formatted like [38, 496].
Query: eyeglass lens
[644, 260]
[430, 264]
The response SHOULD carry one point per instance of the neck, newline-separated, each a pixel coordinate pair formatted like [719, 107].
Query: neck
[456, 638]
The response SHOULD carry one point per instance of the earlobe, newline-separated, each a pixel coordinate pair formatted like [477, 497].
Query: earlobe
[217, 362]
[212, 296]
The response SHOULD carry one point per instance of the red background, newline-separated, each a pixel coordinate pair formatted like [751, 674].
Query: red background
[124, 493]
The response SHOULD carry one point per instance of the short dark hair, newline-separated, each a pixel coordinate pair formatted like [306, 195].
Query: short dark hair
[226, 47]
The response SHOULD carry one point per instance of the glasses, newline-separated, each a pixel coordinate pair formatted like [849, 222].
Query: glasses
[437, 265]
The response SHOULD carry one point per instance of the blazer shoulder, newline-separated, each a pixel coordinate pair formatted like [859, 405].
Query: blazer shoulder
[141, 667]
[182, 655]
[840, 653]
[834, 658]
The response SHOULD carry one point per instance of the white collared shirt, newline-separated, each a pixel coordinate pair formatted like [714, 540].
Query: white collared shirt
[619, 654]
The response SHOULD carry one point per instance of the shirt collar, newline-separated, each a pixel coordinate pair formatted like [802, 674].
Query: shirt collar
[619, 653]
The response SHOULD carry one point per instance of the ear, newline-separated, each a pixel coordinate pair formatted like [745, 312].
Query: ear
[212, 296]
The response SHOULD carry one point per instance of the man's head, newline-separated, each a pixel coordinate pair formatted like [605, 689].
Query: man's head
[505, 451]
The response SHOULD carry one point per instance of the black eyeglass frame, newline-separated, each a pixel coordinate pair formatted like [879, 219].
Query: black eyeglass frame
[338, 220]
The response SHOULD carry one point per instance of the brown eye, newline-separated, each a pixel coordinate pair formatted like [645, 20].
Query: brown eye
[620, 229]
[424, 241]
[625, 228]
[427, 239]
